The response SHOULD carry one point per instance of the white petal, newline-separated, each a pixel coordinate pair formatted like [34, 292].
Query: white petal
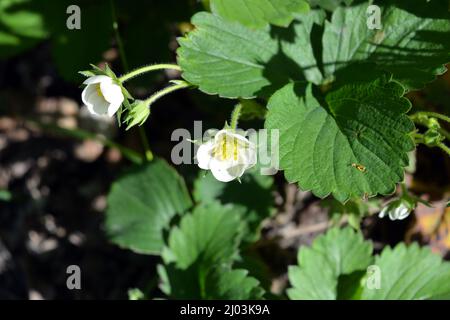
[253, 160]
[97, 105]
[236, 171]
[382, 213]
[230, 136]
[402, 212]
[219, 172]
[250, 156]
[204, 154]
[97, 79]
[112, 92]
[113, 107]
[246, 157]
[219, 135]
[241, 138]
[392, 215]
[86, 94]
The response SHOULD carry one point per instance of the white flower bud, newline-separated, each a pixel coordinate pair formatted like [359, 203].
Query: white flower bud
[396, 210]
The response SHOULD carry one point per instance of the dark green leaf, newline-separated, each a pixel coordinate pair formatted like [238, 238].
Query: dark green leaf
[231, 60]
[253, 195]
[411, 47]
[211, 234]
[220, 282]
[354, 146]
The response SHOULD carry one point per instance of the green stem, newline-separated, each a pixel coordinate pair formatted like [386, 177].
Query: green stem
[146, 69]
[120, 45]
[148, 153]
[418, 138]
[445, 133]
[80, 134]
[145, 144]
[158, 95]
[235, 116]
[404, 189]
[202, 282]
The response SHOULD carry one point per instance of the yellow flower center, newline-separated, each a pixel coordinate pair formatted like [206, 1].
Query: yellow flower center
[226, 149]
[99, 91]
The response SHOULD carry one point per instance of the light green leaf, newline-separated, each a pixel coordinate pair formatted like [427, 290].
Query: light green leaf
[355, 145]
[231, 60]
[199, 255]
[233, 284]
[141, 205]
[337, 253]
[253, 194]
[220, 282]
[410, 273]
[258, 13]
[211, 234]
[20, 17]
[405, 272]
[413, 48]
[21, 26]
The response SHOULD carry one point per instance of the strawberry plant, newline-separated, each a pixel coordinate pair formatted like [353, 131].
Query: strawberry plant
[324, 91]
[336, 92]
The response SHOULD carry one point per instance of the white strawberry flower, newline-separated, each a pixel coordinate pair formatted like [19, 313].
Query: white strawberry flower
[102, 95]
[396, 210]
[228, 155]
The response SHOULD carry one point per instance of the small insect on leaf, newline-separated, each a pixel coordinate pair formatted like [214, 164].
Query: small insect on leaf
[360, 167]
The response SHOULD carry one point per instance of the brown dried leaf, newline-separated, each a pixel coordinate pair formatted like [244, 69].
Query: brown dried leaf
[432, 225]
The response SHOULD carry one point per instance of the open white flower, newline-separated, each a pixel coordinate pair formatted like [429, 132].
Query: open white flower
[102, 95]
[396, 210]
[227, 155]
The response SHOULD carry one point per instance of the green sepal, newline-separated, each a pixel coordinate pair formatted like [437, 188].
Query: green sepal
[137, 115]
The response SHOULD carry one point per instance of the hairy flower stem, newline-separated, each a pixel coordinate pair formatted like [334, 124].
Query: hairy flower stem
[235, 116]
[146, 69]
[158, 95]
[444, 148]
